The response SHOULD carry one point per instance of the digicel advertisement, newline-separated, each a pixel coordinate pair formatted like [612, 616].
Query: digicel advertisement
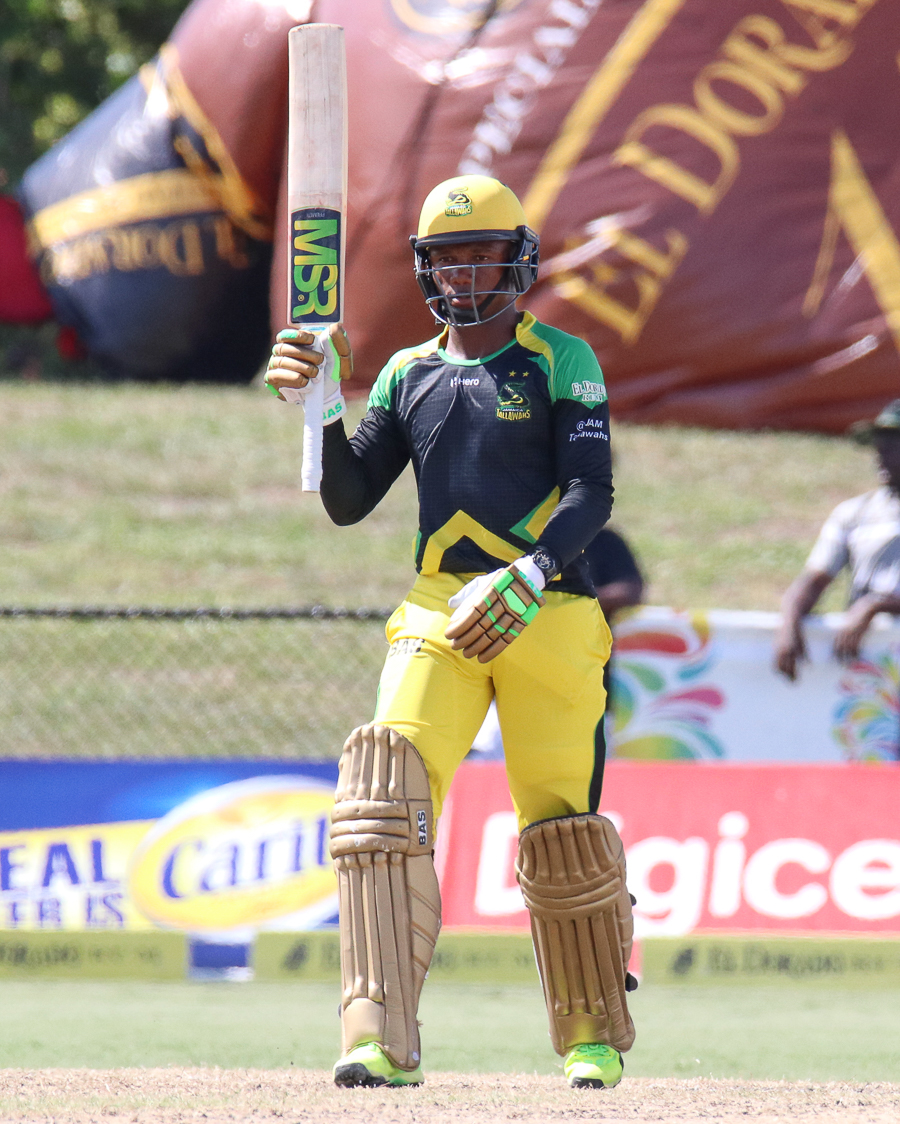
[716, 847]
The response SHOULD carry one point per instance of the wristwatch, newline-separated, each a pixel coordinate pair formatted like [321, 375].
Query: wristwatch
[545, 562]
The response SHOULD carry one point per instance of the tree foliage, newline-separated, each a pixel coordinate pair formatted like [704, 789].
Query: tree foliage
[60, 58]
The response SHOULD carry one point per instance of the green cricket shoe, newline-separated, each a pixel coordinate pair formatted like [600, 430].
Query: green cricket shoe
[593, 1066]
[368, 1066]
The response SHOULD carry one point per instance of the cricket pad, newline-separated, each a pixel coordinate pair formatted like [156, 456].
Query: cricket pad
[382, 838]
[572, 874]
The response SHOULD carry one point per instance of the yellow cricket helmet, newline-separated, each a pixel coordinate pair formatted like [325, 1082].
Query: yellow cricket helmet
[474, 209]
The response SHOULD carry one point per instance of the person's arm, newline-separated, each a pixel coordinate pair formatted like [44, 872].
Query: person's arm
[857, 620]
[829, 555]
[798, 601]
[358, 471]
[583, 457]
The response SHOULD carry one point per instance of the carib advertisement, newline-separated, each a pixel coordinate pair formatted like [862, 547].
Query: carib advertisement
[216, 850]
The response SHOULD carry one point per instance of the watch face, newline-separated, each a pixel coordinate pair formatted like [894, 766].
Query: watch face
[544, 562]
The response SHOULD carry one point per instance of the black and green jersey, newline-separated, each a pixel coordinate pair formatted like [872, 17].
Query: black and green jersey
[509, 451]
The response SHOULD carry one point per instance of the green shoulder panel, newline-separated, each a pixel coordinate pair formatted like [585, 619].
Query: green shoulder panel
[393, 371]
[574, 370]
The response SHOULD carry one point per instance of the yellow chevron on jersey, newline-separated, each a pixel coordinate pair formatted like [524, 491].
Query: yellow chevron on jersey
[535, 521]
[462, 526]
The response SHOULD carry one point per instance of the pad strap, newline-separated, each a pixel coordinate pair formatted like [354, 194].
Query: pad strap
[572, 874]
[382, 838]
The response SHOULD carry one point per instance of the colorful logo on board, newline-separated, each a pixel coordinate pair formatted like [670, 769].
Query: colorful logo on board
[243, 855]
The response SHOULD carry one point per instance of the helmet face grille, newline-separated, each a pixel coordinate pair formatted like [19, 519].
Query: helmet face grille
[520, 274]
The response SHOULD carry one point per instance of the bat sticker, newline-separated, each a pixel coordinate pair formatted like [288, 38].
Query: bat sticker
[315, 265]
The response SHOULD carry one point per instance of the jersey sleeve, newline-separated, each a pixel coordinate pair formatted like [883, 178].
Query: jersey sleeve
[357, 472]
[831, 552]
[583, 457]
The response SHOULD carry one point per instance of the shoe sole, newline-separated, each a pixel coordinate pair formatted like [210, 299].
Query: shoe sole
[591, 1083]
[354, 1075]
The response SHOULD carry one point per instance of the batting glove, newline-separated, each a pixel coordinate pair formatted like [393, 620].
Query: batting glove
[299, 356]
[492, 609]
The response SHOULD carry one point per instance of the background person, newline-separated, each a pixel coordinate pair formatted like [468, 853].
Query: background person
[862, 534]
[615, 574]
[507, 425]
[619, 585]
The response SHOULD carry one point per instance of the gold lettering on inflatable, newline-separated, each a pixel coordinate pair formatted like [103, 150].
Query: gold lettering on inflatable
[752, 45]
[698, 189]
[855, 210]
[847, 13]
[738, 122]
[690, 150]
[230, 241]
[180, 249]
[176, 247]
[648, 268]
[759, 60]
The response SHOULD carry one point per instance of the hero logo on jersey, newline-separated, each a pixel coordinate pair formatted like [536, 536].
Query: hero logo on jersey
[512, 402]
[590, 391]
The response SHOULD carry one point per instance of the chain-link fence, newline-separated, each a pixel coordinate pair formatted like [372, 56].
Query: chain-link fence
[186, 683]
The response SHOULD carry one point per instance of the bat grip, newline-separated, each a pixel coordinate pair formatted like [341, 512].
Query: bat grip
[311, 467]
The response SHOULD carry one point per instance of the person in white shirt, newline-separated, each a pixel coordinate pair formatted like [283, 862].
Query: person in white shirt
[863, 534]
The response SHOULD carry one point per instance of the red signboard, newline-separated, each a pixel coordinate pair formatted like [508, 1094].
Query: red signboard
[740, 847]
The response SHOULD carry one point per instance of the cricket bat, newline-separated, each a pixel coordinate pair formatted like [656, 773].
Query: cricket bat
[317, 205]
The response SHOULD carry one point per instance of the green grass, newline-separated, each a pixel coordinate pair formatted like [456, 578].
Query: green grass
[174, 496]
[189, 496]
[130, 494]
[791, 1032]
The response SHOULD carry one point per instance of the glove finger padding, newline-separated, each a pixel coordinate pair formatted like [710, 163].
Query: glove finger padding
[344, 352]
[488, 622]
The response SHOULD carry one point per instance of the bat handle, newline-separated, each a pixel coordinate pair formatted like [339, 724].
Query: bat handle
[311, 467]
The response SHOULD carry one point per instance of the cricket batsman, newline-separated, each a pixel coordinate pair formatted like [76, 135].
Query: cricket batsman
[506, 422]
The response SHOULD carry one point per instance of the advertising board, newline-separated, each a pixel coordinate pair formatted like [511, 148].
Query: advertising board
[223, 851]
[215, 849]
[730, 847]
[702, 686]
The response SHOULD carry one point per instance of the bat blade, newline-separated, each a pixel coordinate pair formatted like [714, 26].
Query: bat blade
[317, 202]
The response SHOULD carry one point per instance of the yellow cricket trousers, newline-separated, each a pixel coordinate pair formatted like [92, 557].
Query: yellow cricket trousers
[549, 690]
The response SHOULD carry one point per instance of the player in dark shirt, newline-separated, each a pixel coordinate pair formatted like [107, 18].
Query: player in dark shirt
[614, 573]
[506, 424]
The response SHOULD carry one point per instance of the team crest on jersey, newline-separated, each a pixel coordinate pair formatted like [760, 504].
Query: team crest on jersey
[590, 391]
[512, 402]
[458, 205]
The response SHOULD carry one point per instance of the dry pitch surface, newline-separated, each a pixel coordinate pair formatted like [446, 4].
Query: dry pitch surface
[172, 1096]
